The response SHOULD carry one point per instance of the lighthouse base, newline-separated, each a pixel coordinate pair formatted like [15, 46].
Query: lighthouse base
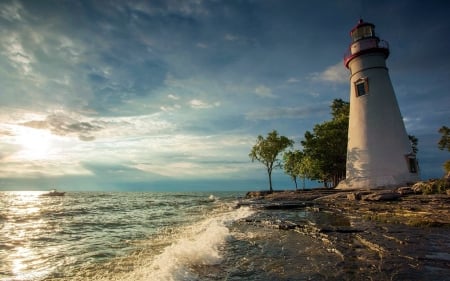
[389, 182]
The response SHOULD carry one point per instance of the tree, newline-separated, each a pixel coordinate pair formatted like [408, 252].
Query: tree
[444, 143]
[340, 109]
[414, 143]
[307, 168]
[292, 160]
[266, 151]
[327, 144]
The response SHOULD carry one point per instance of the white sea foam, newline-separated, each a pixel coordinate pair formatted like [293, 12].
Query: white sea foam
[199, 244]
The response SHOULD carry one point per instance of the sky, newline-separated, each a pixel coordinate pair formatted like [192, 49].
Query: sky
[171, 95]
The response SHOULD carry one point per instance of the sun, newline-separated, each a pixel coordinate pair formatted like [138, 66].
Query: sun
[35, 143]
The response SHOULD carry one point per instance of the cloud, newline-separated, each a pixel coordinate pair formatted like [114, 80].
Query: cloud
[187, 8]
[199, 104]
[173, 97]
[198, 156]
[202, 45]
[170, 108]
[60, 124]
[335, 74]
[284, 112]
[11, 11]
[17, 55]
[5, 133]
[231, 37]
[412, 122]
[187, 169]
[264, 92]
[293, 80]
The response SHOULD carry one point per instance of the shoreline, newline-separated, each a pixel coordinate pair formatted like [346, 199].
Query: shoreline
[400, 206]
[392, 234]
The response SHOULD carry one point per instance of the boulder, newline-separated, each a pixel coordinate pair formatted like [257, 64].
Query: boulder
[419, 187]
[405, 190]
[256, 194]
[354, 196]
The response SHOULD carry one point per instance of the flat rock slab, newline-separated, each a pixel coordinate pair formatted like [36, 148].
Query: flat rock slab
[375, 234]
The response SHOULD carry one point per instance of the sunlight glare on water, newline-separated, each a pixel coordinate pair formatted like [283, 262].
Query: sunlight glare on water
[23, 224]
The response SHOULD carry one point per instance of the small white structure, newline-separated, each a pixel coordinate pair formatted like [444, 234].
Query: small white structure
[379, 153]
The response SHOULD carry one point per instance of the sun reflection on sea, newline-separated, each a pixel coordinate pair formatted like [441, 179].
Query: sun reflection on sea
[26, 203]
[23, 225]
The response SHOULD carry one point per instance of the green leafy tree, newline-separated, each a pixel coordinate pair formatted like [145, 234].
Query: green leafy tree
[414, 143]
[266, 151]
[444, 143]
[340, 109]
[292, 160]
[307, 168]
[327, 144]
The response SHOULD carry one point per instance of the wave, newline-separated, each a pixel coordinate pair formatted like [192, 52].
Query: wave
[196, 245]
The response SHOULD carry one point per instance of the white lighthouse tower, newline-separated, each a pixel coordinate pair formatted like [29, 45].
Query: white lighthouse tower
[379, 153]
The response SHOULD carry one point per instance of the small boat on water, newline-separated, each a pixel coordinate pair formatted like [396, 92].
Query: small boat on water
[53, 192]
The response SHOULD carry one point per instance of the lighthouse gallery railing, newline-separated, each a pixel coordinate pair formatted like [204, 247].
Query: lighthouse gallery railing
[363, 46]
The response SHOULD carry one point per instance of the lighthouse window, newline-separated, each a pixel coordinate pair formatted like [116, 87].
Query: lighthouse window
[361, 87]
[362, 32]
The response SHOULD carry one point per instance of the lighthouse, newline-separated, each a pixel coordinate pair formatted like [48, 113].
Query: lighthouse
[379, 153]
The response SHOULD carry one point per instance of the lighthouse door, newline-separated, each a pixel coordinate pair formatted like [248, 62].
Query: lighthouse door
[412, 164]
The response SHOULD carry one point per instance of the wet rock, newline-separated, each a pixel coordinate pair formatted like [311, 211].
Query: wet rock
[340, 230]
[406, 190]
[290, 195]
[287, 225]
[354, 196]
[418, 187]
[381, 196]
[256, 194]
[283, 205]
[376, 237]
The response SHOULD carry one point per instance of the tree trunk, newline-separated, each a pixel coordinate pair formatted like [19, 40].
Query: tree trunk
[295, 180]
[270, 183]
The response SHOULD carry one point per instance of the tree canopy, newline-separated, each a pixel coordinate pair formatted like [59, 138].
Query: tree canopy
[266, 151]
[444, 143]
[327, 144]
[292, 160]
[414, 143]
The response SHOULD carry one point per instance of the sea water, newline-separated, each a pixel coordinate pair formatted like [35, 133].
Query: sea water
[113, 236]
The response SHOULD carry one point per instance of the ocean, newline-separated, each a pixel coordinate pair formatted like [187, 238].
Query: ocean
[198, 236]
[113, 235]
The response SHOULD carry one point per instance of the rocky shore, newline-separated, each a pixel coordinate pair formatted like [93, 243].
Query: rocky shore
[400, 206]
[400, 234]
